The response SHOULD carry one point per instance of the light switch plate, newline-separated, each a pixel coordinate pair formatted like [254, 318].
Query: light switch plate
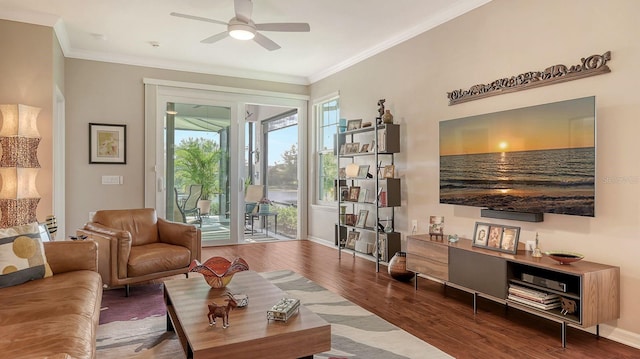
[111, 179]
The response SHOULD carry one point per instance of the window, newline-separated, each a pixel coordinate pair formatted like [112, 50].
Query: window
[327, 114]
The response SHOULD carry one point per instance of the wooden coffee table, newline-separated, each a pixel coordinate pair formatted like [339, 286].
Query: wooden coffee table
[249, 335]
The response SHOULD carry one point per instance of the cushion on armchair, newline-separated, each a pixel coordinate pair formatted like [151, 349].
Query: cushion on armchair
[140, 223]
[22, 255]
[157, 257]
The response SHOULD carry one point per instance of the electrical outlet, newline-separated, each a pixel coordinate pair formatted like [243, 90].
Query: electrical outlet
[530, 245]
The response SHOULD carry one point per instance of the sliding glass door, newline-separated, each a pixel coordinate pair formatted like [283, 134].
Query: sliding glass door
[204, 142]
[197, 168]
[280, 165]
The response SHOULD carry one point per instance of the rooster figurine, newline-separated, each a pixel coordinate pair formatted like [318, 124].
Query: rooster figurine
[218, 271]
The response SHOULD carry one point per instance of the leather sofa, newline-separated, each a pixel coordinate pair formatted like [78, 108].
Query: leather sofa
[54, 317]
[135, 245]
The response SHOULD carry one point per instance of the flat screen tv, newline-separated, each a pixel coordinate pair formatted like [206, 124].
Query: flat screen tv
[538, 159]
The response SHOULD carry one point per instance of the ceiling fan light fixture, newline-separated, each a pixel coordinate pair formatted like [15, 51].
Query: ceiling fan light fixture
[242, 31]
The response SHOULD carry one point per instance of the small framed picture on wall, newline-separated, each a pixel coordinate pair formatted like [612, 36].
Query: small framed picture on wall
[107, 143]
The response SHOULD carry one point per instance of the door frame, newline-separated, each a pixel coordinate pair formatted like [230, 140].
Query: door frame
[157, 92]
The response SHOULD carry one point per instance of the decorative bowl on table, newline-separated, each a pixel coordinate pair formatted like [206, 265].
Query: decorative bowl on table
[564, 257]
[218, 271]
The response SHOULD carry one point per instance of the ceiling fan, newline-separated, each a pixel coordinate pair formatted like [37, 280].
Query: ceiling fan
[243, 28]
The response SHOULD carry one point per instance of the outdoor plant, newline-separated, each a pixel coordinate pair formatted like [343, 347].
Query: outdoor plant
[198, 162]
[288, 220]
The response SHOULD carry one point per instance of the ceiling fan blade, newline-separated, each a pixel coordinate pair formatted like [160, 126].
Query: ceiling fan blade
[215, 38]
[244, 8]
[285, 26]
[265, 42]
[192, 17]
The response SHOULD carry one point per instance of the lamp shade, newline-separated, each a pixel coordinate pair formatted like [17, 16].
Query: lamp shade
[19, 120]
[18, 183]
[19, 140]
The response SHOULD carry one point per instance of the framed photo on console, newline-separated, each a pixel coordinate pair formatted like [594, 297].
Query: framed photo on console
[496, 237]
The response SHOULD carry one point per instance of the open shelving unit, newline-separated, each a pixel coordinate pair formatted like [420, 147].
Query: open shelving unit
[377, 196]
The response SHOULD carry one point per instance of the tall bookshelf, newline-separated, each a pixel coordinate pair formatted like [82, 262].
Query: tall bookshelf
[367, 197]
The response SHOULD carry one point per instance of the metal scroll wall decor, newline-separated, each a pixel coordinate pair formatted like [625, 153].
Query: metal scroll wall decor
[589, 66]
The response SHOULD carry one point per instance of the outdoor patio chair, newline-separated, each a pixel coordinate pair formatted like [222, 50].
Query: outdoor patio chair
[252, 196]
[191, 216]
[190, 205]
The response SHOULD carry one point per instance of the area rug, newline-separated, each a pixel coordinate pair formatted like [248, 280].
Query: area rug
[135, 327]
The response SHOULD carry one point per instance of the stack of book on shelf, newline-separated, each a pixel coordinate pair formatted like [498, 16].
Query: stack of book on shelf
[534, 298]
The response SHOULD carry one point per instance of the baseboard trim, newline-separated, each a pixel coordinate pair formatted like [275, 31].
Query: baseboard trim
[620, 335]
[321, 241]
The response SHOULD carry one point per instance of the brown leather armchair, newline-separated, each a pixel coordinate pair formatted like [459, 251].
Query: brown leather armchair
[134, 245]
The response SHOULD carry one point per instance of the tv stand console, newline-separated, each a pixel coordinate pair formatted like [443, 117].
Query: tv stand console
[590, 291]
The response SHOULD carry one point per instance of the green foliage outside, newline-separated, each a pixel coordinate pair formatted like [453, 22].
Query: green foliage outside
[284, 174]
[329, 173]
[197, 161]
[287, 220]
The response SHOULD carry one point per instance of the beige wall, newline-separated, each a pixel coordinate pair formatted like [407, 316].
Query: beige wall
[500, 39]
[101, 92]
[26, 77]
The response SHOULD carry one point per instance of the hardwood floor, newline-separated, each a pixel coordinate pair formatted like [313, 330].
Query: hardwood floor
[442, 317]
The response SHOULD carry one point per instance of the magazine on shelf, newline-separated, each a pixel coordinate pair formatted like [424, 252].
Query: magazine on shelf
[524, 291]
[534, 304]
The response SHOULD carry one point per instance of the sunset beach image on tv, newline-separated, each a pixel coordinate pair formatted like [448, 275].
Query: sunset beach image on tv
[538, 159]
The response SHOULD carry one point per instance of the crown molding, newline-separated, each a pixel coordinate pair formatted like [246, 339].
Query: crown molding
[184, 66]
[30, 17]
[431, 23]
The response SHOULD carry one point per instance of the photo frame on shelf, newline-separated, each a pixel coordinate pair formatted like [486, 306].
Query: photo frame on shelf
[382, 248]
[496, 237]
[495, 233]
[436, 225]
[389, 171]
[382, 140]
[352, 238]
[362, 197]
[344, 193]
[107, 143]
[352, 147]
[363, 171]
[354, 193]
[509, 241]
[342, 172]
[365, 148]
[481, 235]
[354, 124]
[343, 148]
[350, 219]
[362, 218]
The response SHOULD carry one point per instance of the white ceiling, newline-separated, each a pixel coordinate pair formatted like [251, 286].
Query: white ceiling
[343, 32]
